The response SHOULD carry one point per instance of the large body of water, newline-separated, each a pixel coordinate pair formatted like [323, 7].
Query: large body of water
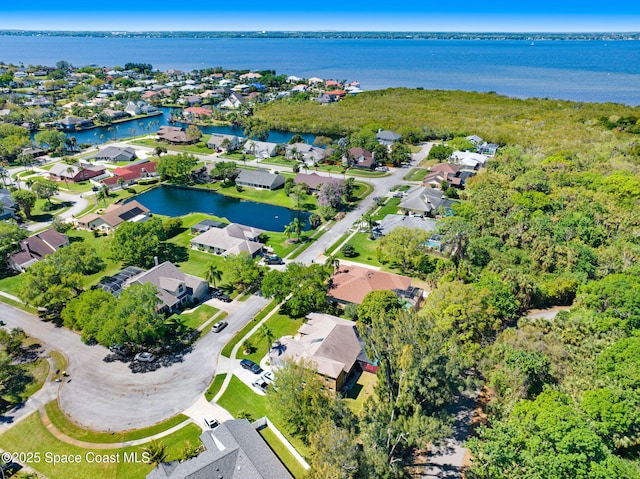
[151, 124]
[589, 70]
[174, 201]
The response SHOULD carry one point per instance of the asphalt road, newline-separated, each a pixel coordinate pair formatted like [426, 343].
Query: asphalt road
[108, 395]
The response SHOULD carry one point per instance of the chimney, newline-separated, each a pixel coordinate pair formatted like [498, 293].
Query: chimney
[155, 260]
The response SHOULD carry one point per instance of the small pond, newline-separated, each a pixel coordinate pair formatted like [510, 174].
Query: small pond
[177, 201]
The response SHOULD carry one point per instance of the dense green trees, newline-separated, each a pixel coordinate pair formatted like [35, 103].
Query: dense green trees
[241, 270]
[49, 284]
[10, 236]
[177, 168]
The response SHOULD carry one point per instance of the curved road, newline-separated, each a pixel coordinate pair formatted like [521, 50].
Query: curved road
[103, 393]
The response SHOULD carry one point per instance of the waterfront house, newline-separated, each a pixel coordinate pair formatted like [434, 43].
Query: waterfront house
[175, 288]
[260, 149]
[197, 112]
[330, 345]
[175, 136]
[35, 248]
[260, 179]
[72, 123]
[232, 239]
[206, 225]
[233, 450]
[350, 284]
[307, 153]
[234, 101]
[114, 216]
[216, 140]
[115, 154]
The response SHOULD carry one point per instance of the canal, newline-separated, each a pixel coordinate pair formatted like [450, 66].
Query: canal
[151, 124]
[178, 201]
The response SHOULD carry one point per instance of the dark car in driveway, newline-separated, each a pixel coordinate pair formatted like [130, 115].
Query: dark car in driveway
[251, 366]
[219, 294]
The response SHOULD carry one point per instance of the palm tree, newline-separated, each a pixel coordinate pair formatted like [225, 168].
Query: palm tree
[212, 274]
[69, 171]
[266, 333]
[288, 230]
[306, 167]
[156, 451]
[332, 263]
[296, 227]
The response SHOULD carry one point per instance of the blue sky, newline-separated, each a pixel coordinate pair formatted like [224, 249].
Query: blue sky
[374, 15]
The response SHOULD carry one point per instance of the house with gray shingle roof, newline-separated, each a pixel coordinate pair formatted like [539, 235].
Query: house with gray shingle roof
[36, 247]
[425, 201]
[233, 450]
[260, 179]
[175, 288]
[330, 344]
[115, 153]
[8, 204]
[387, 138]
[233, 239]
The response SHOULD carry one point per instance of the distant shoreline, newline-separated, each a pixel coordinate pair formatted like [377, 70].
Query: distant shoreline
[525, 36]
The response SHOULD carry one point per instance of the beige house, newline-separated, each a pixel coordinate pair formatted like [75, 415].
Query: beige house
[331, 344]
[113, 216]
[233, 239]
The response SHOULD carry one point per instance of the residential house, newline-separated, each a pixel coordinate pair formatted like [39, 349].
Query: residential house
[75, 173]
[36, 247]
[250, 76]
[72, 123]
[350, 284]
[197, 112]
[216, 140]
[314, 180]
[390, 222]
[443, 172]
[260, 179]
[175, 288]
[361, 158]
[308, 153]
[131, 174]
[206, 225]
[233, 450]
[488, 149]
[115, 154]
[425, 201]
[114, 216]
[234, 101]
[8, 204]
[468, 160]
[387, 138]
[260, 149]
[330, 345]
[233, 239]
[175, 135]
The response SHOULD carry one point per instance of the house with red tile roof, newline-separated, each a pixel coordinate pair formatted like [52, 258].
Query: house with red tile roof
[350, 284]
[131, 174]
[197, 111]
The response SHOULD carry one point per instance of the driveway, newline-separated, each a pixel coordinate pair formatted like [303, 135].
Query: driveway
[108, 395]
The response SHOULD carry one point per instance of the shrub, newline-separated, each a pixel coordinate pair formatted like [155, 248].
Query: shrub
[349, 251]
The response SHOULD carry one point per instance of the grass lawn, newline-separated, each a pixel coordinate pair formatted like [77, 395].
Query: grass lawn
[215, 386]
[79, 187]
[240, 398]
[366, 250]
[389, 208]
[226, 351]
[11, 284]
[39, 369]
[278, 241]
[199, 148]
[360, 391]
[281, 325]
[277, 197]
[280, 160]
[288, 459]
[101, 245]
[59, 361]
[68, 427]
[416, 174]
[32, 436]
[197, 317]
